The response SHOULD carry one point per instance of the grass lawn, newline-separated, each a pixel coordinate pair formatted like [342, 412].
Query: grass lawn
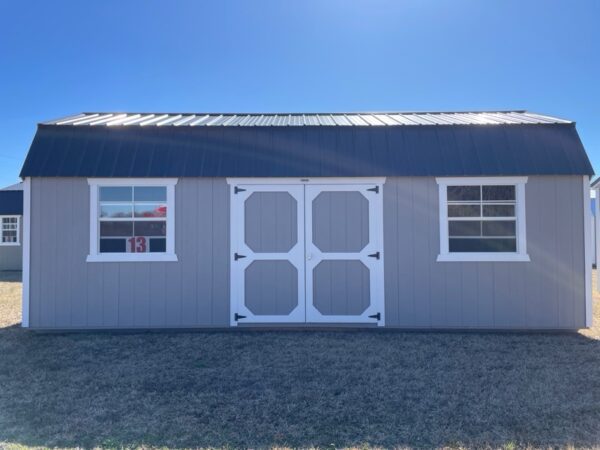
[295, 389]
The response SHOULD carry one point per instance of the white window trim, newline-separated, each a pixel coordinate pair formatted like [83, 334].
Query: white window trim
[519, 256]
[9, 244]
[95, 256]
[306, 180]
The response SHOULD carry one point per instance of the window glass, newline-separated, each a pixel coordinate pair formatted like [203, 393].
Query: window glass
[132, 219]
[150, 194]
[116, 194]
[482, 218]
[464, 193]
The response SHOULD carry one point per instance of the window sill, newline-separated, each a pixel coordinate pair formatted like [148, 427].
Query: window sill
[133, 257]
[483, 257]
[9, 244]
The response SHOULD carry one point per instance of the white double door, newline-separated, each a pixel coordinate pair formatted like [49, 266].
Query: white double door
[307, 253]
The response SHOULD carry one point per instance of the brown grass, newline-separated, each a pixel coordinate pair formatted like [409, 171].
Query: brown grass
[296, 389]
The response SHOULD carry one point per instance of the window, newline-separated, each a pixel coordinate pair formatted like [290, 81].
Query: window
[9, 231]
[132, 220]
[482, 219]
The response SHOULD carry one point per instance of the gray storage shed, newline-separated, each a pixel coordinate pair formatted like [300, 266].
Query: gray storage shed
[11, 234]
[465, 220]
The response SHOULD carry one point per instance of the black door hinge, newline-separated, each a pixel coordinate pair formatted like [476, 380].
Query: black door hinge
[237, 317]
[376, 316]
[237, 256]
[375, 255]
[375, 189]
[237, 189]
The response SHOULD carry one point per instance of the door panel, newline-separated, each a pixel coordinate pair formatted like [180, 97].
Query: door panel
[344, 257]
[267, 269]
[307, 253]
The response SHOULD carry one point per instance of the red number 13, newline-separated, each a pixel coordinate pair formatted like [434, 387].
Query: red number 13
[137, 244]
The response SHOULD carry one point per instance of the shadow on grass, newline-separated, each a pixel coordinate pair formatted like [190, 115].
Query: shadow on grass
[298, 389]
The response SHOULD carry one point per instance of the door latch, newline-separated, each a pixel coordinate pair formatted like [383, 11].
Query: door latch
[237, 256]
[376, 316]
[237, 317]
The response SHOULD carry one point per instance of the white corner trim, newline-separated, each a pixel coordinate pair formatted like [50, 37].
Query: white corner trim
[597, 231]
[26, 251]
[306, 180]
[96, 256]
[587, 251]
[519, 256]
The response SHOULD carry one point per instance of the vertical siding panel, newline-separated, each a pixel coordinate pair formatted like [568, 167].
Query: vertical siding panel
[540, 215]
[485, 295]
[158, 294]
[110, 294]
[221, 252]
[421, 267]
[405, 253]
[187, 210]
[126, 295]
[546, 241]
[48, 250]
[205, 251]
[141, 294]
[79, 249]
[503, 314]
[454, 293]
[470, 306]
[390, 242]
[94, 297]
[63, 241]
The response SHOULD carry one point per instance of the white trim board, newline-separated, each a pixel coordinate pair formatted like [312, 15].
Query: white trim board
[96, 256]
[307, 180]
[587, 251]
[26, 250]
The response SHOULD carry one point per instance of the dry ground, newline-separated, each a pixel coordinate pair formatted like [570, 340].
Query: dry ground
[295, 389]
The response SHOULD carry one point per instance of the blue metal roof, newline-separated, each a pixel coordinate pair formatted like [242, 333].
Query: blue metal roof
[11, 203]
[307, 151]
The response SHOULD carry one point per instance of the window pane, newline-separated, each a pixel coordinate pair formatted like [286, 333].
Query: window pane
[499, 228]
[464, 228]
[151, 210]
[115, 194]
[498, 210]
[113, 245]
[458, 245]
[115, 210]
[464, 193]
[158, 245]
[151, 228]
[498, 193]
[116, 229]
[463, 210]
[150, 194]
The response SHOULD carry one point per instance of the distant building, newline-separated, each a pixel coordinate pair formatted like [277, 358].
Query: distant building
[11, 234]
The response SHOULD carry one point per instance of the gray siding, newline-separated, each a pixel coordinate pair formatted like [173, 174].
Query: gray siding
[11, 256]
[547, 292]
[68, 292]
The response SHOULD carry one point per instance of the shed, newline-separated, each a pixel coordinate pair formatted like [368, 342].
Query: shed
[11, 236]
[453, 220]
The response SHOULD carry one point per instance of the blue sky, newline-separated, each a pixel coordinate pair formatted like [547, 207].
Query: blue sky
[63, 57]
